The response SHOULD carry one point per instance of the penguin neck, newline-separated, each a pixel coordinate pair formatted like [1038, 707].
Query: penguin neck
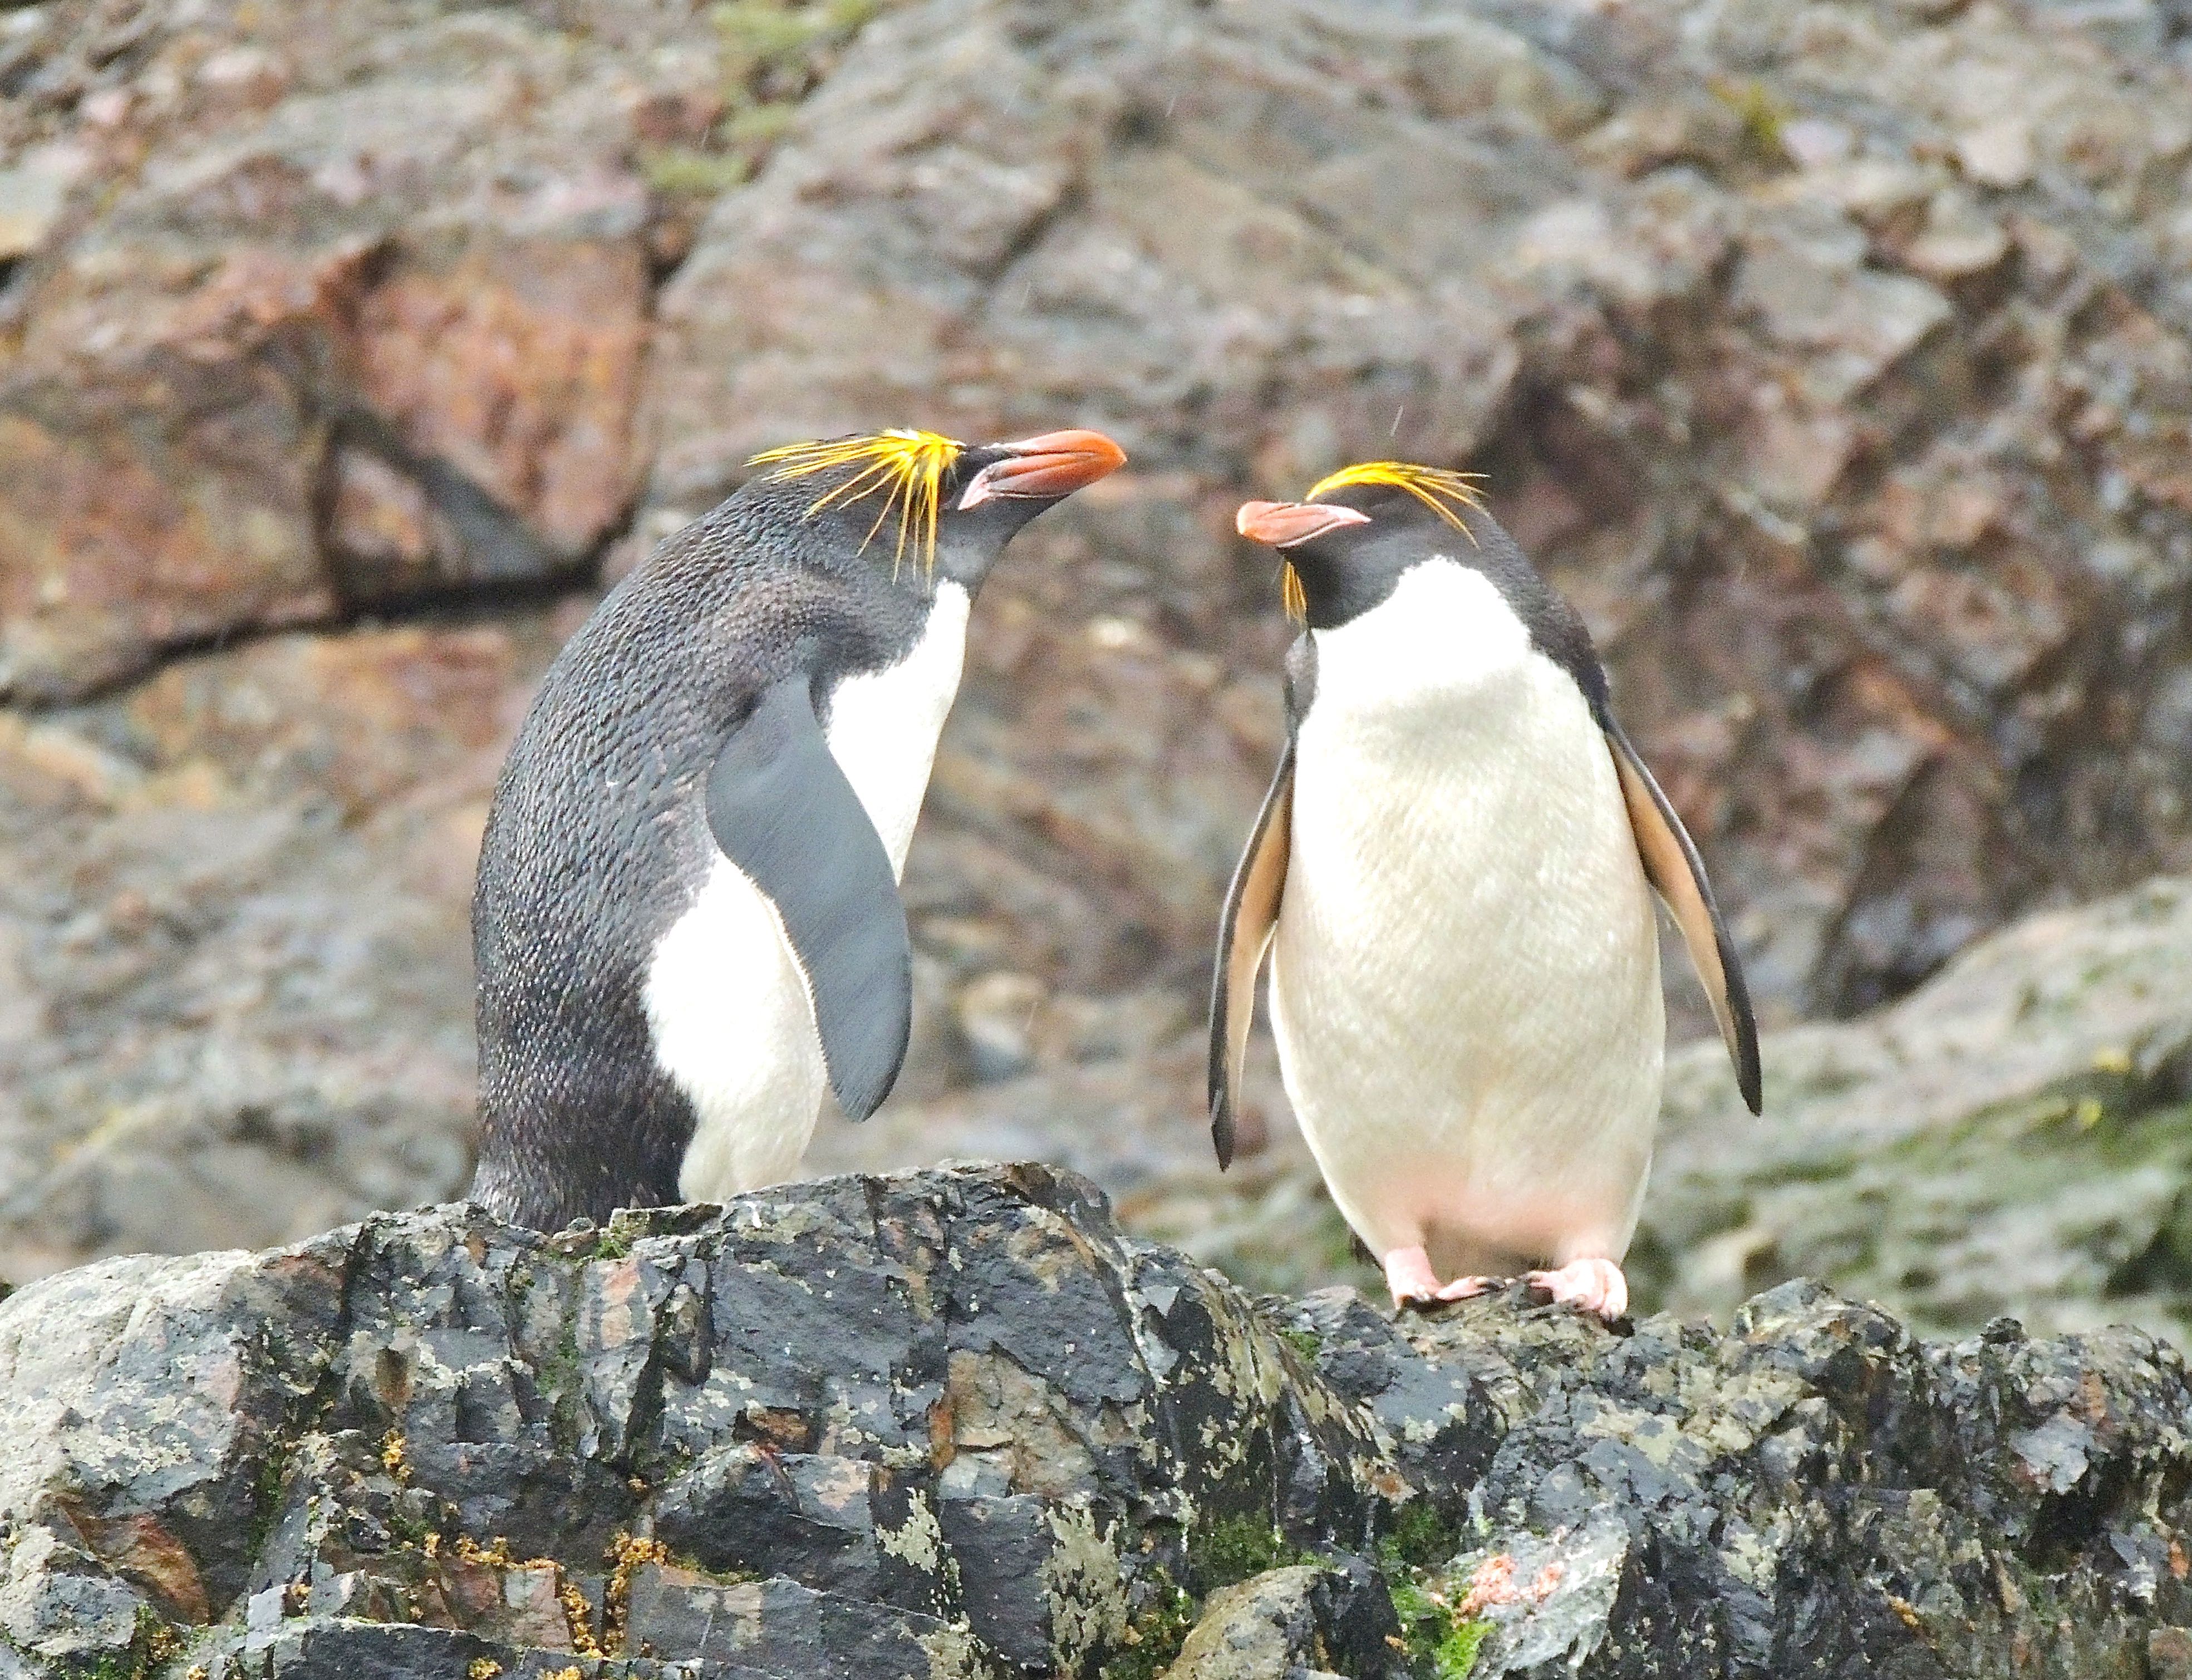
[1442, 630]
[883, 724]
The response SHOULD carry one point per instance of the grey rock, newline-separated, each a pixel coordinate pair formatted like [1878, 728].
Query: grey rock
[1293, 1623]
[780, 1628]
[2011, 1140]
[322, 1648]
[431, 1443]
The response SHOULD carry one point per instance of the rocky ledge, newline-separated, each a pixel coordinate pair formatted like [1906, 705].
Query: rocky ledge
[956, 1424]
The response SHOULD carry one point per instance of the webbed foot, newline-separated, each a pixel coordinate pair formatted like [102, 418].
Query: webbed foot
[1409, 1276]
[1593, 1285]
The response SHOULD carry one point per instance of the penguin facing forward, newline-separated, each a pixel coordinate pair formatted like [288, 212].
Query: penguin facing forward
[686, 922]
[1452, 874]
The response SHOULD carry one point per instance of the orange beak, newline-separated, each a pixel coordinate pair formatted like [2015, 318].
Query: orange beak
[1283, 523]
[1056, 464]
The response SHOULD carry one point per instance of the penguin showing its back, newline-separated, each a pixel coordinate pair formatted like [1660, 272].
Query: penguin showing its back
[686, 922]
[1453, 874]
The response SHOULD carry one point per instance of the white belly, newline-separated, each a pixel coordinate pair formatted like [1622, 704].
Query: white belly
[732, 1019]
[1464, 983]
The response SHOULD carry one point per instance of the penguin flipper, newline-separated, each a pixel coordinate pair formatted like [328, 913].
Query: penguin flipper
[781, 809]
[1673, 867]
[1244, 935]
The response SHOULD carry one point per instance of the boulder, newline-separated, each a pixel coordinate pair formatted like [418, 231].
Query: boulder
[2011, 1139]
[956, 1424]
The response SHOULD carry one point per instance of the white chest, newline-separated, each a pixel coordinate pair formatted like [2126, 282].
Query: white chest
[731, 1019]
[883, 725]
[1465, 980]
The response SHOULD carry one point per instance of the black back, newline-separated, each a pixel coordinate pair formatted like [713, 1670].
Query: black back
[598, 833]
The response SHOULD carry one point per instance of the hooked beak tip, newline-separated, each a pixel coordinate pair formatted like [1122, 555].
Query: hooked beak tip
[1282, 524]
[1054, 465]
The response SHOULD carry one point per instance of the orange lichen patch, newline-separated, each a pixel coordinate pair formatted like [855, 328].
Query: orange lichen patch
[627, 1552]
[905, 467]
[1494, 1583]
[580, 1615]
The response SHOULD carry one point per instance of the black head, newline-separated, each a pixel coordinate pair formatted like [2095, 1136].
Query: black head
[918, 505]
[1348, 541]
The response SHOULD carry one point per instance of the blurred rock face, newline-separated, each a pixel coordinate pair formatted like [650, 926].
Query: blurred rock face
[1834, 358]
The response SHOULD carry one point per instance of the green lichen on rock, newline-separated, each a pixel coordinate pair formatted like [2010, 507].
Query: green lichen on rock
[1455, 1659]
[1228, 1550]
[1442, 1640]
[771, 54]
[956, 1424]
[1419, 1536]
[2013, 1139]
[1154, 1632]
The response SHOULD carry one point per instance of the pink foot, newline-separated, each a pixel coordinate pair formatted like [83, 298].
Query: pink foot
[1594, 1285]
[1462, 1289]
[1409, 1275]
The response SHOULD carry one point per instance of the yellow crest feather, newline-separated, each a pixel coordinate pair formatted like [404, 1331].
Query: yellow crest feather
[1293, 594]
[1437, 488]
[905, 466]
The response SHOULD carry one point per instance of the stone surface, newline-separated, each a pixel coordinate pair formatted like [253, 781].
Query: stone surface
[1833, 357]
[409, 263]
[2013, 1139]
[234, 1002]
[1853, 453]
[1291, 1623]
[956, 1424]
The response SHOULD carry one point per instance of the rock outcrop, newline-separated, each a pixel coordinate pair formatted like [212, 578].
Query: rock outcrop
[956, 1424]
[1834, 357]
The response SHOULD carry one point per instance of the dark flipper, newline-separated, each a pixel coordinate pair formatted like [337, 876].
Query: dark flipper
[781, 809]
[1244, 935]
[1673, 867]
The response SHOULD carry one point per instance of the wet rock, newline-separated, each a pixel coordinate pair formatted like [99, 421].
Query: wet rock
[540, 1441]
[778, 1627]
[2010, 1140]
[1291, 1623]
[235, 998]
[956, 1424]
